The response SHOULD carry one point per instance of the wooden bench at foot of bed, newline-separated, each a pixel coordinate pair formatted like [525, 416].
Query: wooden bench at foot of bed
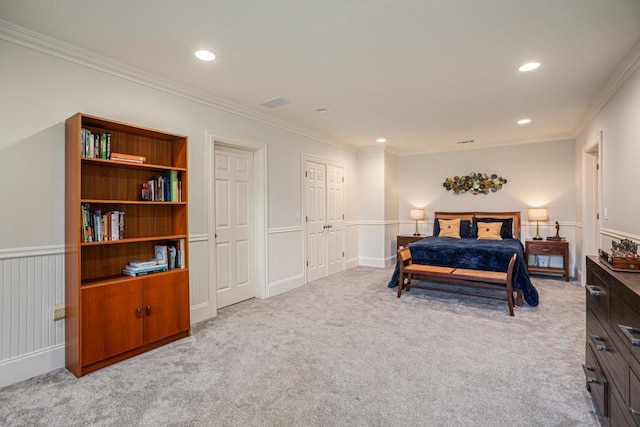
[483, 279]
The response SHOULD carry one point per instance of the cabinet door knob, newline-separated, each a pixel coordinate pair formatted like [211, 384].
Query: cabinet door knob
[148, 310]
[138, 312]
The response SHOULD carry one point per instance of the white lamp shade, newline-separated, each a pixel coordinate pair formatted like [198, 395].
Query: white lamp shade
[538, 214]
[416, 214]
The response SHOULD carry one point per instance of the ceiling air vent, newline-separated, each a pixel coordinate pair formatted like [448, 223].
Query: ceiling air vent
[275, 102]
[469, 141]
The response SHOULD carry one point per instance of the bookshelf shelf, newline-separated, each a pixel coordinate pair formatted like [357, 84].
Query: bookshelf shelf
[119, 278]
[135, 240]
[112, 316]
[129, 202]
[129, 165]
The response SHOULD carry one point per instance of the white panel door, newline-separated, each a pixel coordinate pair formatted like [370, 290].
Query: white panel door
[234, 225]
[324, 219]
[335, 219]
[316, 220]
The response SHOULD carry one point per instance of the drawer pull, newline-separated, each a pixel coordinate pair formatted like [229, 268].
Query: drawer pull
[596, 339]
[628, 332]
[590, 380]
[545, 249]
[594, 290]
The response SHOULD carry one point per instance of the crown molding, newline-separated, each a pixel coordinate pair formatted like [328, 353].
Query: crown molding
[68, 52]
[625, 70]
[378, 149]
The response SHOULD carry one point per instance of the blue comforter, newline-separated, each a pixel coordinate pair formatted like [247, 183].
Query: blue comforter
[492, 255]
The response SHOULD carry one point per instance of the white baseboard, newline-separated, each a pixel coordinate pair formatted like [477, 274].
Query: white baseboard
[353, 263]
[372, 262]
[285, 285]
[31, 365]
[202, 312]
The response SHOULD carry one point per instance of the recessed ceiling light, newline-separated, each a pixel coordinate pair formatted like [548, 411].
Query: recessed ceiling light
[529, 66]
[322, 110]
[381, 140]
[524, 121]
[205, 55]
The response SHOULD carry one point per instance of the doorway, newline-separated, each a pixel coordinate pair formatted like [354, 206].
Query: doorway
[233, 187]
[592, 211]
[324, 218]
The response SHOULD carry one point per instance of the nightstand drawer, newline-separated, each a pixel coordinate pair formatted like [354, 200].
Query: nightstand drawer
[545, 249]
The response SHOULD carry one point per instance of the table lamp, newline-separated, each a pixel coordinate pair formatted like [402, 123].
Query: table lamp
[537, 215]
[416, 215]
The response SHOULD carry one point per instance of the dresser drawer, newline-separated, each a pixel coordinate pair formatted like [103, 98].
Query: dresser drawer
[619, 414]
[626, 322]
[596, 382]
[597, 294]
[609, 357]
[634, 397]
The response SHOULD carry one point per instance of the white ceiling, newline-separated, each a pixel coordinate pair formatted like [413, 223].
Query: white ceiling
[422, 73]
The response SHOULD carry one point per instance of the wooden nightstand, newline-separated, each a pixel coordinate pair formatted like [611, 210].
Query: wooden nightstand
[548, 247]
[404, 240]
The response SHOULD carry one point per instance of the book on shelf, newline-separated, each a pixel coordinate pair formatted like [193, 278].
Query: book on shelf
[98, 226]
[95, 145]
[163, 188]
[138, 271]
[121, 157]
[147, 263]
[172, 253]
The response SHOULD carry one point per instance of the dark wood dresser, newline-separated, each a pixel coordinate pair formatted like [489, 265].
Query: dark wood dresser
[612, 362]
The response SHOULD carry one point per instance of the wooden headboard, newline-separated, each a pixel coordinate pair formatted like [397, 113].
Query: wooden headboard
[515, 216]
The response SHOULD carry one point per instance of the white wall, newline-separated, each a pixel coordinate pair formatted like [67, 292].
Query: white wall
[41, 90]
[540, 174]
[620, 127]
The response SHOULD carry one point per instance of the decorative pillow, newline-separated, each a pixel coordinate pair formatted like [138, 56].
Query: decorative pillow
[489, 231]
[449, 228]
[465, 228]
[506, 231]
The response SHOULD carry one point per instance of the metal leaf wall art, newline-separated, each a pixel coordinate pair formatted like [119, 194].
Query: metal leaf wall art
[475, 183]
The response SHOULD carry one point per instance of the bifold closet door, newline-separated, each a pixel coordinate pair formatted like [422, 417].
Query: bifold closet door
[324, 219]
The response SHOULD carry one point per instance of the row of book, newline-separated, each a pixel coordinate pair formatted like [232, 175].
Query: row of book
[173, 253]
[163, 188]
[98, 226]
[167, 257]
[98, 146]
[95, 145]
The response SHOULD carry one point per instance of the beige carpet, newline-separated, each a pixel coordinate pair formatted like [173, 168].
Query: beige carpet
[342, 351]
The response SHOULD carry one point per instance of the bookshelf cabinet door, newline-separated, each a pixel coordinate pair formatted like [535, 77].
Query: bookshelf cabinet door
[111, 322]
[166, 305]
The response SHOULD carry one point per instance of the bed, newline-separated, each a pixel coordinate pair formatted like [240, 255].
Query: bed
[469, 252]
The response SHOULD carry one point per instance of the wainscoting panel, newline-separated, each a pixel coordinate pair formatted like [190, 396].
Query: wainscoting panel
[202, 302]
[352, 245]
[30, 287]
[286, 259]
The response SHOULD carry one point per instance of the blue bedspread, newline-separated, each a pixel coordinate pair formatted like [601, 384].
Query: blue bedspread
[492, 255]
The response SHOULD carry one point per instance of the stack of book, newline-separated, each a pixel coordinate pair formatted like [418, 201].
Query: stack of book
[146, 266]
[131, 158]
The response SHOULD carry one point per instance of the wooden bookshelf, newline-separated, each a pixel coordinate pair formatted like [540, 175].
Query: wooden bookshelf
[111, 316]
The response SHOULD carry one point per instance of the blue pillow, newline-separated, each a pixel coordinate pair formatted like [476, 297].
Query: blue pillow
[465, 228]
[506, 231]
